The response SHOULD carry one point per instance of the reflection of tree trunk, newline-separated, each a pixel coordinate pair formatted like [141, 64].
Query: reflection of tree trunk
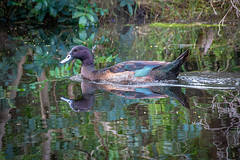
[54, 96]
[205, 40]
[70, 91]
[4, 117]
[4, 113]
[96, 130]
[44, 96]
[46, 150]
[19, 75]
[45, 109]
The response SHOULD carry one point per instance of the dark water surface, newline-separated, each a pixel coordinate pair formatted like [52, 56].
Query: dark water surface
[44, 115]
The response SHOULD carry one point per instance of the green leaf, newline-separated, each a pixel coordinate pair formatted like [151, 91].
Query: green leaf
[91, 37]
[41, 16]
[130, 10]
[51, 72]
[38, 6]
[57, 73]
[28, 66]
[53, 12]
[62, 19]
[82, 21]
[90, 17]
[109, 58]
[77, 41]
[101, 12]
[123, 3]
[39, 50]
[77, 14]
[45, 3]
[83, 35]
[131, 2]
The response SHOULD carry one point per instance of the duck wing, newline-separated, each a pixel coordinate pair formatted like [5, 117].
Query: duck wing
[140, 68]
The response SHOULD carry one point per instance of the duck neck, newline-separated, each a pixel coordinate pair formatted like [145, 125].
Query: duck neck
[87, 69]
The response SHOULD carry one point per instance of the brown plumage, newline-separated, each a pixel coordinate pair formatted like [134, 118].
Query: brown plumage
[126, 72]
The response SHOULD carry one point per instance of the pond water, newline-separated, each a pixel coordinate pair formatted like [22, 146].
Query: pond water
[44, 115]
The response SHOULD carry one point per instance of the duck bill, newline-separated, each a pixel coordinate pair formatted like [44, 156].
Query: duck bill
[66, 100]
[67, 59]
[69, 101]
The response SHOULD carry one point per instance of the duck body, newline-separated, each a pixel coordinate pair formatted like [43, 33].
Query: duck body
[127, 72]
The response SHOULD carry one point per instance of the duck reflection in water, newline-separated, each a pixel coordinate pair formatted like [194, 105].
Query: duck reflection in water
[129, 92]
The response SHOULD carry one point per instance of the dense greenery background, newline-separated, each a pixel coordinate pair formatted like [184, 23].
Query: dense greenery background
[37, 34]
[89, 12]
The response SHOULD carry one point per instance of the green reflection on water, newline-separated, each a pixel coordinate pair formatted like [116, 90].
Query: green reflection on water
[35, 123]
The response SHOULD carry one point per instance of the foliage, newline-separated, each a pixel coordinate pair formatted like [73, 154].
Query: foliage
[129, 4]
[191, 10]
[87, 13]
[62, 10]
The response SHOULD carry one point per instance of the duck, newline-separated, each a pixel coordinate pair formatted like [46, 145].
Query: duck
[128, 72]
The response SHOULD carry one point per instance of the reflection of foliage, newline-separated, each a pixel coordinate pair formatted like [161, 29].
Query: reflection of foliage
[221, 119]
[8, 64]
[48, 47]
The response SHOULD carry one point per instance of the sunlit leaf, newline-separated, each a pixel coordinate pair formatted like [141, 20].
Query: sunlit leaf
[82, 21]
[123, 3]
[77, 41]
[91, 37]
[101, 12]
[57, 73]
[45, 3]
[77, 14]
[130, 10]
[90, 17]
[39, 50]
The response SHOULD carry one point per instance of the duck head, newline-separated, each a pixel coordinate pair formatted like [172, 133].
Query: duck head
[79, 52]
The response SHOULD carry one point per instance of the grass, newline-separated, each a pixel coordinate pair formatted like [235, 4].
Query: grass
[182, 25]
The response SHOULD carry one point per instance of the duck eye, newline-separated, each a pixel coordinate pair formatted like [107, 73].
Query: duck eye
[68, 56]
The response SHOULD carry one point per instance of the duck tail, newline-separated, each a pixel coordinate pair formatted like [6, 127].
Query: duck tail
[172, 69]
[182, 58]
[175, 66]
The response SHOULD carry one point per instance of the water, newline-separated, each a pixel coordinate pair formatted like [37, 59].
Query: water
[44, 115]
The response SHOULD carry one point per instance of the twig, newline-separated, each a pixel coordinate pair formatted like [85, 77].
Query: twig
[213, 8]
[234, 6]
[222, 20]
